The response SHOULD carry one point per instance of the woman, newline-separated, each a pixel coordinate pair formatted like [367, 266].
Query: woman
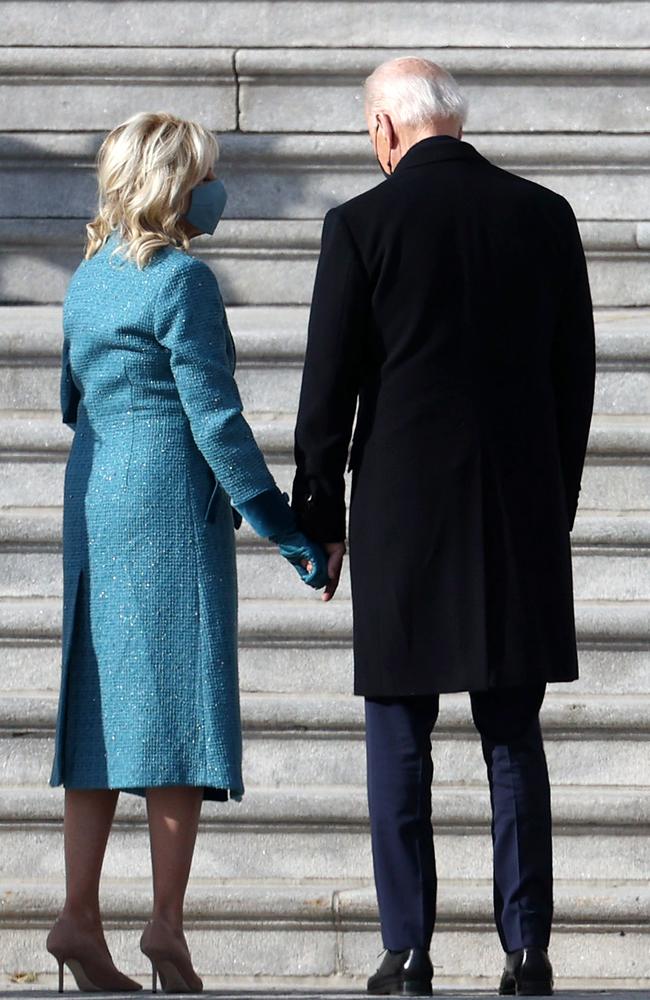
[149, 695]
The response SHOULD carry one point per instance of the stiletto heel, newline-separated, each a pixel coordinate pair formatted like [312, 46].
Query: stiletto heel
[170, 962]
[90, 964]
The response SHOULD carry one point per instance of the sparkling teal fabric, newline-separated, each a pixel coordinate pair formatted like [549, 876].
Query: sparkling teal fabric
[149, 689]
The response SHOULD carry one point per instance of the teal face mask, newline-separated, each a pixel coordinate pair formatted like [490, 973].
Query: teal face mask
[207, 202]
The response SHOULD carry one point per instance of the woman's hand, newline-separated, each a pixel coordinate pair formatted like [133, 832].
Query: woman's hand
[308, 557]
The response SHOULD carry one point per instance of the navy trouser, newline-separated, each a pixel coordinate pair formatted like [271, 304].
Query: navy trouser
[400, 771]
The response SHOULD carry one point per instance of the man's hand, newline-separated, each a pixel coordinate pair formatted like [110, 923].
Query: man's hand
[335, 552]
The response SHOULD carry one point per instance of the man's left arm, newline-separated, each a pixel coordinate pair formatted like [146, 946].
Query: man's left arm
[330, 384]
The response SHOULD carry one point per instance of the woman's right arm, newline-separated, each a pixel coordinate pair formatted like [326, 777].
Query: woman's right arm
[190, 323]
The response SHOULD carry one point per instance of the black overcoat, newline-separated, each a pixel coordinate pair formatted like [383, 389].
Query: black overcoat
[452, 305]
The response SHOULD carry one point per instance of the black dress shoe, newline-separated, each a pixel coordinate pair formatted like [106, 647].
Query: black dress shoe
[527, 973]
[404, 973]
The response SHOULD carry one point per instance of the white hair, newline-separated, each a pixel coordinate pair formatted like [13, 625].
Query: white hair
[415, 93]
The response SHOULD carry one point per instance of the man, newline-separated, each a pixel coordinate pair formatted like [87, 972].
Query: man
[452, 304]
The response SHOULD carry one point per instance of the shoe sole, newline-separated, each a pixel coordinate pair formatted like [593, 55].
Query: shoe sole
[401, 989]
[535, 990]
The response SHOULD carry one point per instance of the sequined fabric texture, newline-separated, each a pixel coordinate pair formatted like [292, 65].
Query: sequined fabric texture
[149, 689]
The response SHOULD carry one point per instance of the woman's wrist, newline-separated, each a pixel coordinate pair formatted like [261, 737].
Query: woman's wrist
[269, 514]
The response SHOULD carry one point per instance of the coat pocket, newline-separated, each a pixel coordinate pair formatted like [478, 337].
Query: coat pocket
[210, 510]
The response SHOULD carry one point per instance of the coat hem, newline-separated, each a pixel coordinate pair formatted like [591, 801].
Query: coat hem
[211, 793]
[427, 691]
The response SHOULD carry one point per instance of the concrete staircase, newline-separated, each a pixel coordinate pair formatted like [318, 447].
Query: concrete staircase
[282, 890]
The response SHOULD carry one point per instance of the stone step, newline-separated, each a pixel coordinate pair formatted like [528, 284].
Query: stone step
[41, 432]
[279, 853]
[308, 620]
[619, 665]
[272, 387]
[285, 90]
[95, 88]
[34, 446]
[270, 345]
[610, 484]
[289, 90]
[565, 715]
[39, 529]
[276, 760]
[315, 809]
[614, 571]
[273, 261]
[328, 931]
[316, 23]
[31, 334]
[321, 833]
[621, 387]
[298, 176]
[293, 741]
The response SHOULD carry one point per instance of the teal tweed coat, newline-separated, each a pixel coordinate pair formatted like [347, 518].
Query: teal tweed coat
[149, 691]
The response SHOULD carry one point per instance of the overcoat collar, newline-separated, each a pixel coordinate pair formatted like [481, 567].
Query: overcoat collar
[436, 148]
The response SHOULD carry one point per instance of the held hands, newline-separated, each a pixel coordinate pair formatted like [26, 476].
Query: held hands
[333, 554]
[270, 515]
[308, 557]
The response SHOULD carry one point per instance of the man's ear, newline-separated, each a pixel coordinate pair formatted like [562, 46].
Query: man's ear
[460, 132]
[386, 125]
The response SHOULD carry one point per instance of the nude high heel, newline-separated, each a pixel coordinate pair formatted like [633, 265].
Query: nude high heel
[170, 961]
[92, 968]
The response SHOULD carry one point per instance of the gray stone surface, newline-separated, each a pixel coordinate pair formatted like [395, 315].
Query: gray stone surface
[331, 23]
[268, 388]
[274, 851]
[36, 479]
[297, 621]
[272, 262]
[536, 150]
[281, 897]
[80, 88]
[565, 714]
[271, 190]
[332, 903]
[313, 89]
[41, 431]
[293, 758]
[614, 667]
[615, 533]
[598, 574]
[277, 190]
[270, 344]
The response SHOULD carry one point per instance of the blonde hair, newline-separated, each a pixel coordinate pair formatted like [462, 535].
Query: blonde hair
[146, 168]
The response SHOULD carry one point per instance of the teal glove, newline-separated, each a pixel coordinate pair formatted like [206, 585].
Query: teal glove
[270, 516]
[296, 547]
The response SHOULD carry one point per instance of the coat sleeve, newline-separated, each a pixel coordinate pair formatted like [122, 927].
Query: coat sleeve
[330, 384]
[70, 395]
[574, 368]
[190, 322]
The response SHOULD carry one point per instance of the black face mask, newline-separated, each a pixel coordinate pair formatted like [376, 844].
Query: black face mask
[386, 173]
